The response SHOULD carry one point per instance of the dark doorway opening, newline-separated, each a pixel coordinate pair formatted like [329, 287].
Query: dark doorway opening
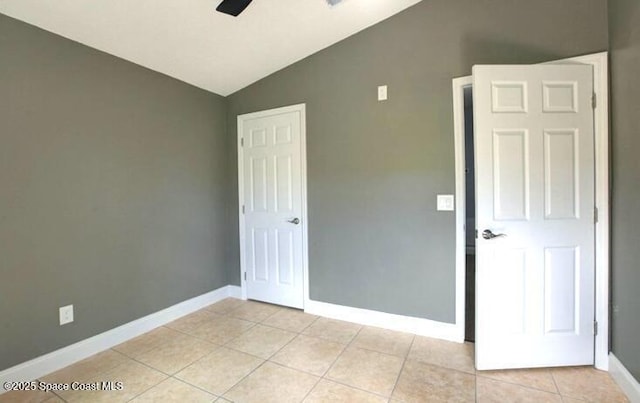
[470, 217]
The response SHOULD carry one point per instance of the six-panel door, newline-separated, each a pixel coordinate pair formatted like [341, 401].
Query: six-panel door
[272, 184]
[535, 187]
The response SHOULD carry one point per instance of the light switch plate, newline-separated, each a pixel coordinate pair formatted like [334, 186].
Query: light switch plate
[445, 203]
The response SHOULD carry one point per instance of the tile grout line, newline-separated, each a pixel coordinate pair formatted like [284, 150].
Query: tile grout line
[217, 346]
[173, 375]
[519, 384]
[189, 333]
[311, 389]
[404, 361]
[194, 386]
[475, 383]
[58, 396]
[346, 347]
[356, 388]
[288, 330]
[555, 383]
[352, 344]
[232, 386]
[184, 333]
[259, 366]
[137, 359]
[148, 366]
[226, 345]
[244, 377]
[310, 324]
[253, 324]
[432, 364]
[105, 372]
[298, 333]
[189, 383]
[320, 377]
[152, 348]
[383, 353]
[342, 352]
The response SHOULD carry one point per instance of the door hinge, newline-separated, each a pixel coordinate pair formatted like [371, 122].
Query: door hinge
[595, 215]
[245, 276]
[241, 141]
[243, 209]
[595, 327]
[594, 100]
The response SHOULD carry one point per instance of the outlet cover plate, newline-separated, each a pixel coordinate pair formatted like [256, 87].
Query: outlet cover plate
[66, 314]
[382, 93]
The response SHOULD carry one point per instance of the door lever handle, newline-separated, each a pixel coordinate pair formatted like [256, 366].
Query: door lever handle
[487, 234]
[295, 221]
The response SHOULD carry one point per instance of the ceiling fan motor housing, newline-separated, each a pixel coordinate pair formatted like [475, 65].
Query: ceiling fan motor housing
[233, 7]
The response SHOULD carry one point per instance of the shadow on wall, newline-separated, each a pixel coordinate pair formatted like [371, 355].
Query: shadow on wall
[624, 38]
[479, 49]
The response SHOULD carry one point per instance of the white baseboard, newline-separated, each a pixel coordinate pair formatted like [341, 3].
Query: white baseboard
[624, 379]
[65, 356]
[235, 291]
[419, 326]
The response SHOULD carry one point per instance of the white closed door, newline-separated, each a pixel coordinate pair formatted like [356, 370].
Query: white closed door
[534, 142]
[271, 216]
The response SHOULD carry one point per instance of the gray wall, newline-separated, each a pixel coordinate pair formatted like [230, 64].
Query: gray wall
[374, 169]
[624, 23]
[112, 191]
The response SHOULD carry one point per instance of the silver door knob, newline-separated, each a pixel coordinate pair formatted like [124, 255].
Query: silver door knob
[487, 234]
[295, 221]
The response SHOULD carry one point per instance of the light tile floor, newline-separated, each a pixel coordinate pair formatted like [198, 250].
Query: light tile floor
[245, 351]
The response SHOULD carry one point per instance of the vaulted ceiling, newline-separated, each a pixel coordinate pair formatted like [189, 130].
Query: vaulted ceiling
[189, 40]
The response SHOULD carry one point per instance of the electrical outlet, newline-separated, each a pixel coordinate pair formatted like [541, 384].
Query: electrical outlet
[382, 93]
[66, 314]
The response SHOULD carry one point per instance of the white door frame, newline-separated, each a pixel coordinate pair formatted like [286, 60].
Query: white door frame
[599, 61]
[301, 108]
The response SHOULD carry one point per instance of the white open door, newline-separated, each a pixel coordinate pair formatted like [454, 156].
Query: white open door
[535, 211]
[271, 205]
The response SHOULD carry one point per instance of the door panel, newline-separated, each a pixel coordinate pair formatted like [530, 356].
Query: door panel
[259, 252]
[560, 275]
[284, 257]
[258, 184]
[562, 198]
[272, 191]
[510, 175]
[535, 192]
[284, 186]
[508, 306]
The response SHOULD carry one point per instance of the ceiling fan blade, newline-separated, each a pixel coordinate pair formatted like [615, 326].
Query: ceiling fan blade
[233, 7]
